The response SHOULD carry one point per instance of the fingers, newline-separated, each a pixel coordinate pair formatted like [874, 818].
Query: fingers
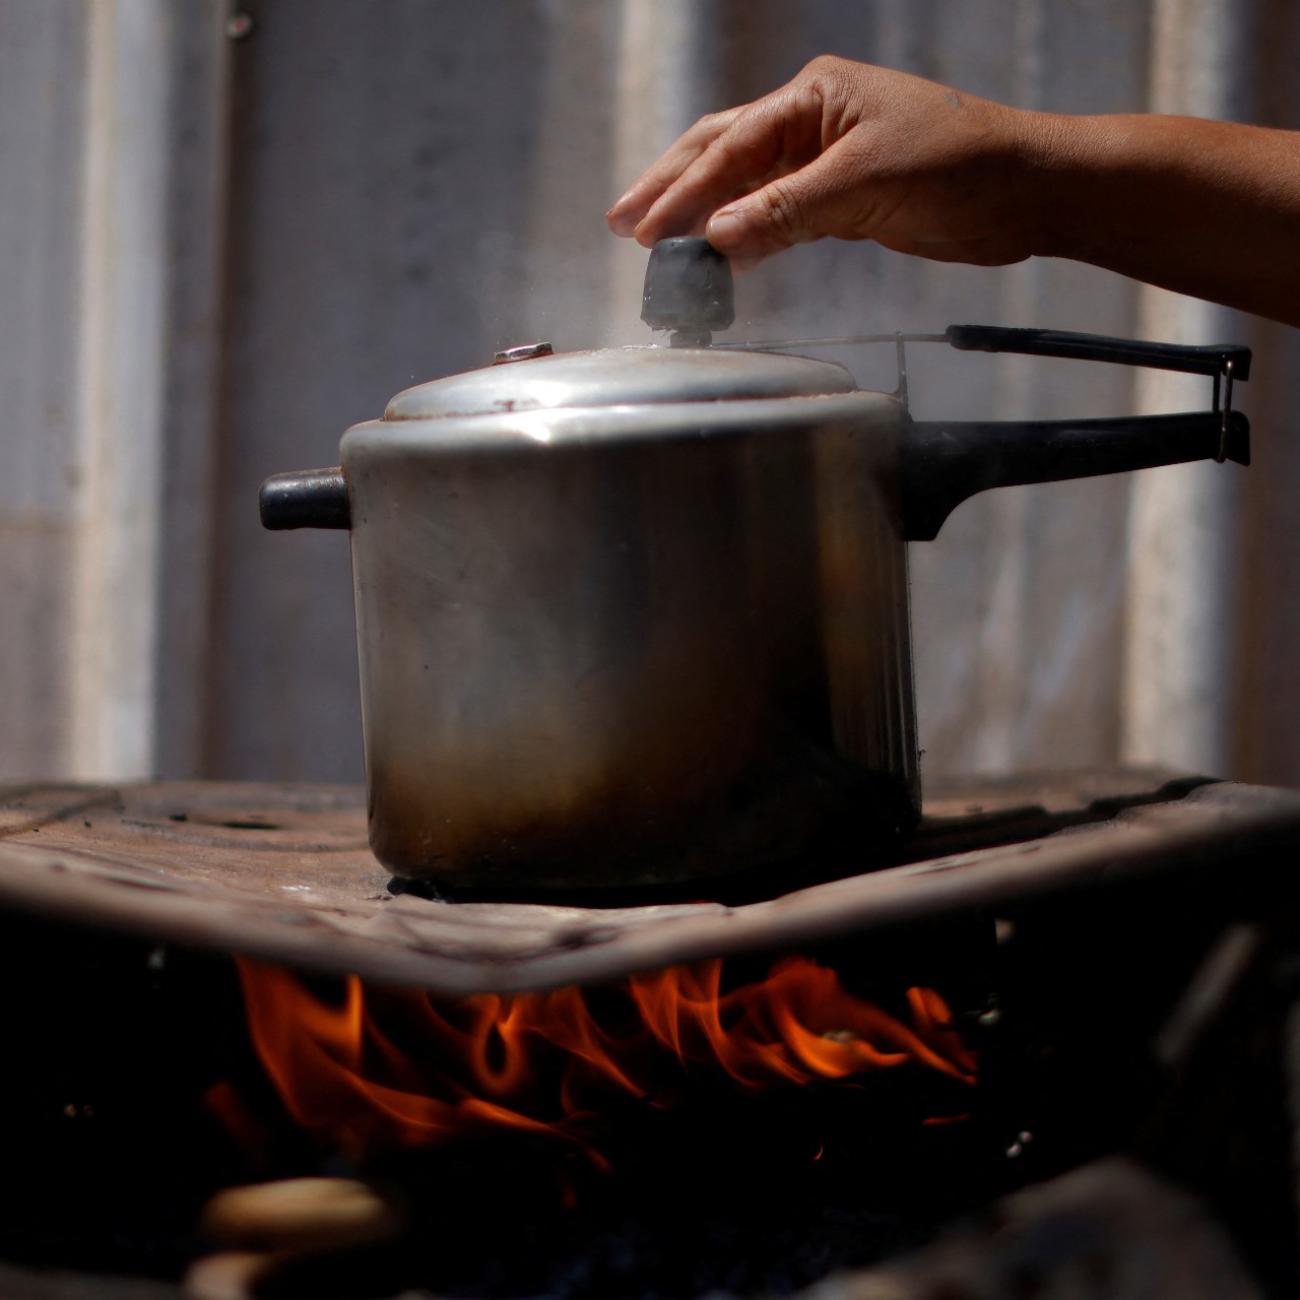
[806, 204]
[628, 211]
[731, 164]
[770, 138]
[753, 144]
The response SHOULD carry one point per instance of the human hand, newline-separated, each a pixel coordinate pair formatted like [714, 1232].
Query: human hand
[857, 152]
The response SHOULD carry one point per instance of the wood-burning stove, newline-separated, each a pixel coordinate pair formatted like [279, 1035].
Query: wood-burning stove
[1116, 950]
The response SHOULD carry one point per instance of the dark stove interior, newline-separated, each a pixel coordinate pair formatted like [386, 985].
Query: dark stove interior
[138, 1093]
[1148, 1017]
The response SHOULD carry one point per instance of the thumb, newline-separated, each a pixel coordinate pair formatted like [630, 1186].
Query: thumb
[789, 210]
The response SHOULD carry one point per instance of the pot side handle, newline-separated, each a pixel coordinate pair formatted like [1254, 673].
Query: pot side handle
[943, 463]
[305, 498]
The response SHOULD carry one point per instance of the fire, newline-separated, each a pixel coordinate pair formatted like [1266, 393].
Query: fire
[382, 1068]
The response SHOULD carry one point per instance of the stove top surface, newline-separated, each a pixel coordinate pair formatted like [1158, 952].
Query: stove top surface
[283, 872]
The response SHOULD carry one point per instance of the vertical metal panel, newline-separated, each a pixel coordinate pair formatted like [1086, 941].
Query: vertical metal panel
[1178, 650]
[1018, 603]
[41, 58]
[385, 160]
[1263, 696]
[123, 312]
[107, 119]
[561, 205]
[198, 110]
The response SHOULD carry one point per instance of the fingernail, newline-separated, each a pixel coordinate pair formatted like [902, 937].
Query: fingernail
[725, 230]
[618, 206]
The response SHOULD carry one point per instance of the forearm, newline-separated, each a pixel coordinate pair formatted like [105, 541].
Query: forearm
[1210, 209]
[852, 151]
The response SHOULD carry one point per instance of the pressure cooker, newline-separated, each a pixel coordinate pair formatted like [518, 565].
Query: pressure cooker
[640, 615]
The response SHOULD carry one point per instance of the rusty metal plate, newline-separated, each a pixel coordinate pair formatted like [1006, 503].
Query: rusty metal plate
[283, 872]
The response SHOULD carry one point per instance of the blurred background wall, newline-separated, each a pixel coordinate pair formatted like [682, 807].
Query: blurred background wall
[229, 230]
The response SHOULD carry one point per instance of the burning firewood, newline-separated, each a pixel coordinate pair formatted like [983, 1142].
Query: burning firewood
[270, 1228]
[229, 1275]
[300, 1214]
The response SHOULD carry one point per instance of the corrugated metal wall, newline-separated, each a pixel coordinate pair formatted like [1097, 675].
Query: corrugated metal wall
[366, 193]
[41, 115]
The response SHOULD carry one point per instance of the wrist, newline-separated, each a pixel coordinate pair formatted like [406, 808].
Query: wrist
[1095, 181]
[1059, 161]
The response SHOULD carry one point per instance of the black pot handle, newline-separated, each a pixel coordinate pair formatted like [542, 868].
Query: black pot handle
[305, 498]
[1212, 359]
[944, 463]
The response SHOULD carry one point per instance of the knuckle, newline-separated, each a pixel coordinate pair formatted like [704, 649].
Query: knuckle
[825, 69]
[712, 125]
[782, 211]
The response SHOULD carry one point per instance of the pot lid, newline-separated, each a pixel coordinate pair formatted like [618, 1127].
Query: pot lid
[619, 377]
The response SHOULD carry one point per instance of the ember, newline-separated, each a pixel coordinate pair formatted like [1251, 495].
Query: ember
[388, 1068]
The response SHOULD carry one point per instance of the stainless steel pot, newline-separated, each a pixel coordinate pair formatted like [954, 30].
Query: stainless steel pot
[641, 614]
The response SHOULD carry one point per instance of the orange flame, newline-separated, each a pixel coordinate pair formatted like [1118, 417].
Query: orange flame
[543, 1062]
